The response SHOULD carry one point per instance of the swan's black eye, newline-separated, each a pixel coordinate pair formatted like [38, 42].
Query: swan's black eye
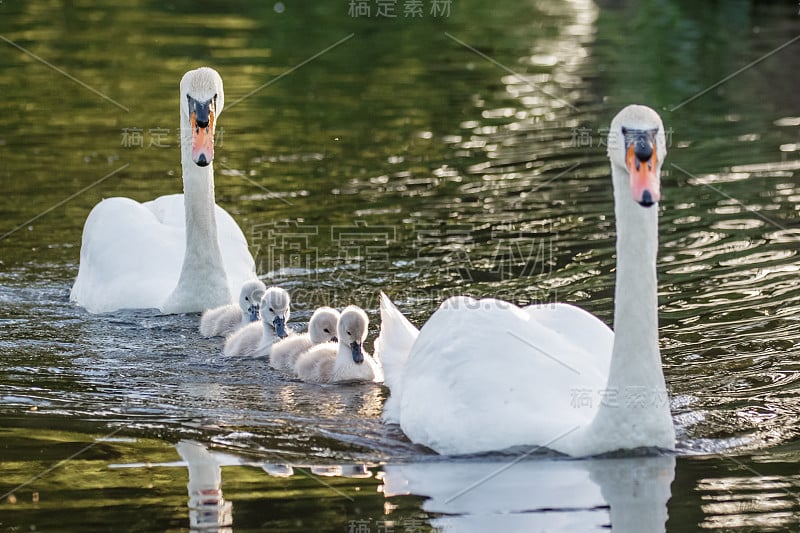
[246, 298]
[349, 333]
[270, 310]
[326, 330]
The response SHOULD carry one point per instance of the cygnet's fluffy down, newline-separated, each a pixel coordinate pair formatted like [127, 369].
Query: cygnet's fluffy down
[321, 328]
[256, 339]
[225, 319]
[342, 361]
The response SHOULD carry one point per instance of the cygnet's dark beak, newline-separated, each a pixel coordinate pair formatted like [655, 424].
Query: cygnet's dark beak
[358, 355]
[254, 312]
[280, 326]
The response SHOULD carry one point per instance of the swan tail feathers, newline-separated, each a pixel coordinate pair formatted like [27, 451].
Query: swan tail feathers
[394, 343]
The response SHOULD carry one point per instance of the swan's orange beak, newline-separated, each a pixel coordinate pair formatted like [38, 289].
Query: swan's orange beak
[642, 162]
[202, 140]
[201, 120]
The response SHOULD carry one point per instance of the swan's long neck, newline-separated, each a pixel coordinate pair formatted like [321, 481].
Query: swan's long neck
[635, 411]
[203, 254]
[635, 358]
[203, 282]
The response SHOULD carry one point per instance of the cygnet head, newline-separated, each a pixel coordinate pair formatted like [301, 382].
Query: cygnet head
[352, 330]
[323, 324]
[250, 298]
[275, 310]
[637, 148]
[202, 100]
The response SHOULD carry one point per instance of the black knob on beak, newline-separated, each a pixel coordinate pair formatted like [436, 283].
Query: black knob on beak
[643, 150]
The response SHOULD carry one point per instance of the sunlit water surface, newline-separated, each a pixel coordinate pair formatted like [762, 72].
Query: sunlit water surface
[406, 161]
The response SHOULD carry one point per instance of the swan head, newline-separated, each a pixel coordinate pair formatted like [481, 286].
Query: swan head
[250, 298]
[352, 331]
[275, 310]
[202, 100]
[637, 147]
[323, 324]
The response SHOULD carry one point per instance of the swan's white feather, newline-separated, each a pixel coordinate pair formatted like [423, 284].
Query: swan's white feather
[392, 347]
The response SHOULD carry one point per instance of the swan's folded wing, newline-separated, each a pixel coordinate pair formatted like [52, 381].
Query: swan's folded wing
[484, 376]
[584, 329]
[132, 253]
[129, 259]
[169, 210]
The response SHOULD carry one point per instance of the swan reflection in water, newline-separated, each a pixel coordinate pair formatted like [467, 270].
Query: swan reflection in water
[208, 510]
[630, 494]
[488, 493]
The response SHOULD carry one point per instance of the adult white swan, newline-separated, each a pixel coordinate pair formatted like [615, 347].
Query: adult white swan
[486, 375]
[179, 253]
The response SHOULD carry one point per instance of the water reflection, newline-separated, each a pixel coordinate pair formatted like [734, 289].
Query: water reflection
[749, 502]
[483, 494]
[208, 510]
[628, 494]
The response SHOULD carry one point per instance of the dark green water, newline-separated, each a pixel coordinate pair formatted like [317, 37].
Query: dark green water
[424, 156]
